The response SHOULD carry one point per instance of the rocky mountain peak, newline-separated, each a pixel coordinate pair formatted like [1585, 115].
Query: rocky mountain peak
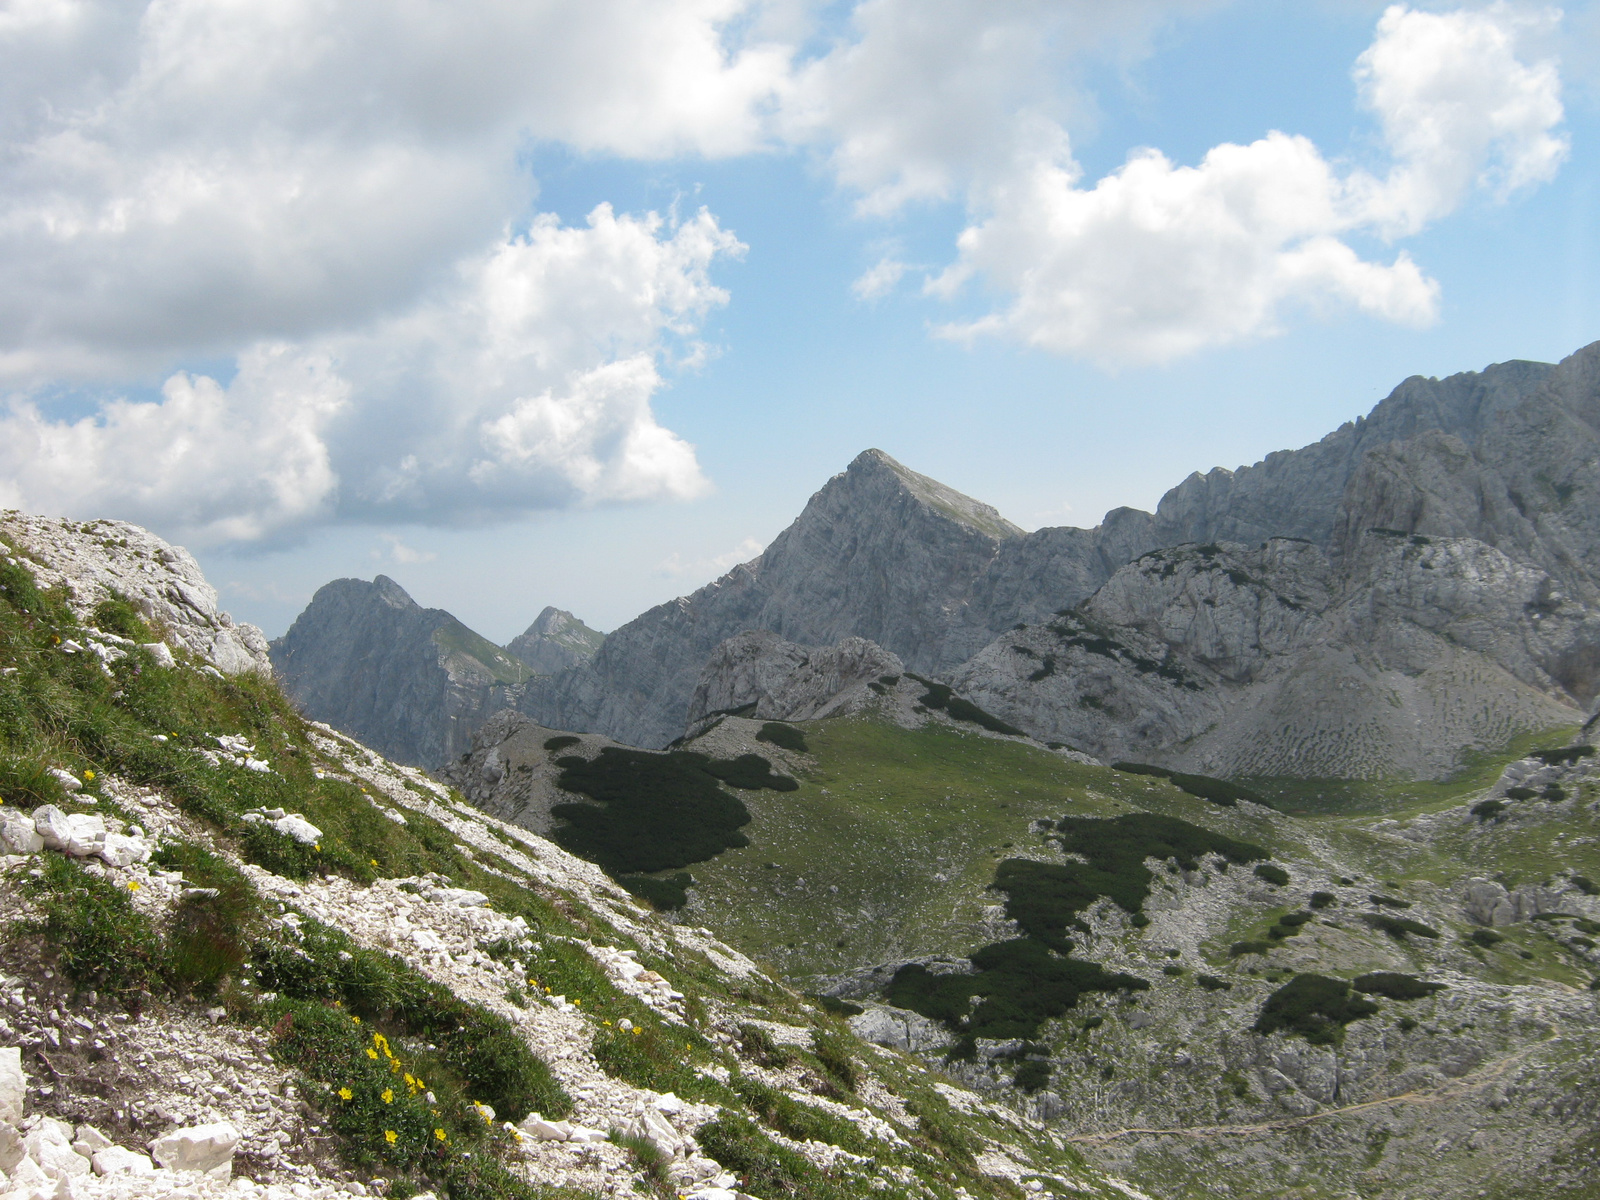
[555, 641]
[872, 468]
[389, 592]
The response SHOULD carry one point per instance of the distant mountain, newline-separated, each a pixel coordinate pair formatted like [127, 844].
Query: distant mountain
[1504, 457]
[412, 682]
[554, 642]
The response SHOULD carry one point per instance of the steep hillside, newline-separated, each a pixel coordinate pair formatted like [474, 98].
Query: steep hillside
[412, 682]
[239, 946]
[1207, 995]
[555, 641]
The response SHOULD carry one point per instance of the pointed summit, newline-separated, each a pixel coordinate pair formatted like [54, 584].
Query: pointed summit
[555, 641]
[953, 504]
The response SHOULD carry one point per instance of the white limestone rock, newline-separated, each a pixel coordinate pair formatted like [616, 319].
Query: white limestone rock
[49, 1144]
[18, 835]
[297, 827]
[205, 1148]
[66, 779]
[115, 1160]
[13, 1085]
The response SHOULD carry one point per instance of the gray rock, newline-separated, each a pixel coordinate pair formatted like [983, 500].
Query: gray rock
[411, 682]
[779, 680]
[555, 642]
[13, 1087]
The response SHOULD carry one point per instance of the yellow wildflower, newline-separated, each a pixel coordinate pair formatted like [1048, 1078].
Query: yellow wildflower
[441, 1135]
[88, 774]
[637, 1031]
[607, 1024]
[388, 1095]
[133, 885]
[373, 861]
[355, 1018]
[390, 1136]
[371, 1053]
[345, 1093]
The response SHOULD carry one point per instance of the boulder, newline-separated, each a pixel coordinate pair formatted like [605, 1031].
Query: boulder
[89, 1140]
[66, 779]
[13, 1086]
[12, 1151]
[161, 653]
[49, 1144]
[114, 1160]
[535, 1126]
[123, 850]
[52, 825]
[297, 827]
[207, 1148]
[18, 834]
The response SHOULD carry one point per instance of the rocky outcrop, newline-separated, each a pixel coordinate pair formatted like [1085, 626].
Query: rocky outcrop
[759, 674]
[555, 642]
[1232, 660]
[92, 561]
[413, 682]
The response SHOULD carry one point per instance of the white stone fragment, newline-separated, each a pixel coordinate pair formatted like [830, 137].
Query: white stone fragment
[66, 779]
[89, 1140]
[207, 1148]
[12, 1151]
[52, 825]
[114, 1160]
[123, 850]
[297, 827]
[535, 1126]
[160, 653]
[49, 1144]
[18, 835]
[13, 1084]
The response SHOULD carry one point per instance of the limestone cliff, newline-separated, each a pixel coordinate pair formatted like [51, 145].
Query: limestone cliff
[555, 641]
[412, 682]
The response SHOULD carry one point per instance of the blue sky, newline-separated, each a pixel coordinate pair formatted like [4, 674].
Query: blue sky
[326, 401]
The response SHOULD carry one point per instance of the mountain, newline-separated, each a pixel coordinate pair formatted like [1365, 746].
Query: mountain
[412, 682]
[245, 956]
[554, 642]
[1505, 458]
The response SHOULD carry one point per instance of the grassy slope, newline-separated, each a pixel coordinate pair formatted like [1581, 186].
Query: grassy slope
[908, 825]
[493, 661]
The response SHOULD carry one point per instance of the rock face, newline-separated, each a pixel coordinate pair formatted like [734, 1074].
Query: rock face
[1504, 459]
[97, 560]
[555, 641]
[758, 674]
[413, 682]
[1234, 660]
[880, 553]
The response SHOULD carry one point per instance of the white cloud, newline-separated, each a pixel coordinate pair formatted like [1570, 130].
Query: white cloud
[715, 565]
[401, 553]
[184, 175]
[1157, 260]
[879, 279]
[207, 462]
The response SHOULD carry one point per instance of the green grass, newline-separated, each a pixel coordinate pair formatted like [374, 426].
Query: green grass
[456, 638]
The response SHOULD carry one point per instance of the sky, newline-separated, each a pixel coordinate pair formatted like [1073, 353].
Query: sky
[577, 302]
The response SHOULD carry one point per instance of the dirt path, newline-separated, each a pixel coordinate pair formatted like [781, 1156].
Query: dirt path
[1456, 1088]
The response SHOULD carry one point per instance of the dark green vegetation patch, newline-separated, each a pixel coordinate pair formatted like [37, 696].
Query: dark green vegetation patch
[1399, 927]
[1395, 985]
[1316, 1007]
[942, 697]
[1019, 985]
[1045, 898]
[665, 893]
[656, 812]
[1273, 874]
[1203, 787]
[785, 737]
[560, 742]
[1563, 756]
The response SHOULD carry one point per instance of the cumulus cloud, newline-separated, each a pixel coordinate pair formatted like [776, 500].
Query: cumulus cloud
[209, 462]
[1158, 260]
[879, 279]
[526, 383]
[715, 565]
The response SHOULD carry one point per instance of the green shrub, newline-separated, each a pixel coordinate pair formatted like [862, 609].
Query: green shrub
[1212, 984]
[100, 940]
[1239, 949]
[1585, 885]
[786, 737]
[1554, 793]
[1045, 898]
[1399, 927]
[836, 1006]
[750, 772]
[655, 812]
[1316, 1007]
[1203, 787]
[832, 1051]
[1031, 1076]
[560, 742]
[772, 1171]
[1389, 902]
[115, 614]
[1563, 756]
[658, 1057]
[1322, 900]
[938, 695]
[663, 893]
[208, 937]
[1486, 937]
[1516, 793]
[1272, 873]
[1395, 986]
[804, 1123]
[1017, 987]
